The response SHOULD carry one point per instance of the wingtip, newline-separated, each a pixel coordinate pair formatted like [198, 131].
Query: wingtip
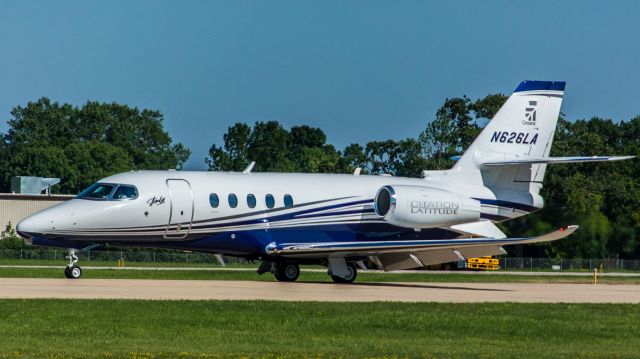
[621, 158]
[571, 228]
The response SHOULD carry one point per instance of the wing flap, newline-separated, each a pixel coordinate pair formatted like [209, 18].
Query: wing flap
[438, 256]
[482, 251]
[398, 261]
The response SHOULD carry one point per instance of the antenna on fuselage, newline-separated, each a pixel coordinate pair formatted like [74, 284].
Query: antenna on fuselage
[249, 167]
[220, 259]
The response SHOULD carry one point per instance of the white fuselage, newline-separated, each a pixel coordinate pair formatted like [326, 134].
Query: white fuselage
[174, 209]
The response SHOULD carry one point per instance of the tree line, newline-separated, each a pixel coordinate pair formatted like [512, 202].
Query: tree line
[84, 144]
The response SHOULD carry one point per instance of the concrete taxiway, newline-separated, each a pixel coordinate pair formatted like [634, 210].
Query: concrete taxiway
[310, 291]
[310, 270]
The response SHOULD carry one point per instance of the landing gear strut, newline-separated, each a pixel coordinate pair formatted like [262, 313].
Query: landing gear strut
[72, 270]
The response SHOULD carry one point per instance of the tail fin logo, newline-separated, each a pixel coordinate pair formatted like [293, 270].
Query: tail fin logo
[530, 114]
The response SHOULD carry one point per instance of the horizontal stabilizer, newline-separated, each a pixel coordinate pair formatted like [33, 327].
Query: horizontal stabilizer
[550, 160]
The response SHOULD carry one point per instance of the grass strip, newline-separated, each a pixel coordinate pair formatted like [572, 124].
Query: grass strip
[149, 329]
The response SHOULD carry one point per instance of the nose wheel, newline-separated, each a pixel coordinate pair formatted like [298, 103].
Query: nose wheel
[72, 270]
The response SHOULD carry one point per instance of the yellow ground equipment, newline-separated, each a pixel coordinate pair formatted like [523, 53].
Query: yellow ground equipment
[483, 263]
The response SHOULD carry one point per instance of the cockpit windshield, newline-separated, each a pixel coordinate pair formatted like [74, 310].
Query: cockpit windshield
[97, 191]
[125, 192]
[109, 191]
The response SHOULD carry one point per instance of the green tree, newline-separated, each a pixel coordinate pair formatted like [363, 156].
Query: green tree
[45, 161]
[268, 146]
[400, 158]
[602, 198]
[234, 156]
[352, 157]
[92, 161]
[457, 124]
[82, 144]
[274, 149]
[453, 129]
[323, 159]
[488, 106]
[309, 151]
[9, 238]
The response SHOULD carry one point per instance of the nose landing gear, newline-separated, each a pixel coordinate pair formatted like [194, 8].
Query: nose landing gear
[72, 270]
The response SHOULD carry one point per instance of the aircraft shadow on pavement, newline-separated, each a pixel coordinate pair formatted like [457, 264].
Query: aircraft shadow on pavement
[414, 285]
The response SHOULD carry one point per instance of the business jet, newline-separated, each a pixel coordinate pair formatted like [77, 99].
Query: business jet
[339, 221]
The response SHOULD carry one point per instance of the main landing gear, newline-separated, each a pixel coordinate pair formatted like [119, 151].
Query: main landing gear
[339, 270]
[349, 277]
[72, 270]
[286, 272]
[283, 271]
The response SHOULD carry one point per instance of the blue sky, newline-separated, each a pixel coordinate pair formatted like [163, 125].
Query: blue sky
[360, 70]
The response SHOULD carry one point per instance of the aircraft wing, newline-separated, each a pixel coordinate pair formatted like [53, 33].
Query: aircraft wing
[550, 160]
[393, 255]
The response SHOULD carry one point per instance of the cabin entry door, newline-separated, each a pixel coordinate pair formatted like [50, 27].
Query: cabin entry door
[181, 213]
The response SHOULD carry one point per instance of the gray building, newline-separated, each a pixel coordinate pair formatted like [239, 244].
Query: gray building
[14, 207]
[27, 198]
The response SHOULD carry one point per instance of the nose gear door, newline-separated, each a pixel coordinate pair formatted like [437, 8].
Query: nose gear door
[181, 213]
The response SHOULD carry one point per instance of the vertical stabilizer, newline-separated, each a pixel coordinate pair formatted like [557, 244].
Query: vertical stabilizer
[523, 128]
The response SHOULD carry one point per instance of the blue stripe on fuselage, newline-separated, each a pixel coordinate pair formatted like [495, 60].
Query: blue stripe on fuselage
[247, 240]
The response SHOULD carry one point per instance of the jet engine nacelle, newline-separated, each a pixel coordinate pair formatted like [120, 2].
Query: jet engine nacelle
[424, 207]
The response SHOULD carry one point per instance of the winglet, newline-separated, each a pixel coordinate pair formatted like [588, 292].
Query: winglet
[553, 236]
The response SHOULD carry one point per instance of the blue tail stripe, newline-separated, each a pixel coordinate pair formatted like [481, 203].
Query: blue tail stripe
[541, 85]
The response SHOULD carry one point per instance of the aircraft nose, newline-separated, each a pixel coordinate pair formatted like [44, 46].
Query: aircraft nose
[27, 225]
[31, 226]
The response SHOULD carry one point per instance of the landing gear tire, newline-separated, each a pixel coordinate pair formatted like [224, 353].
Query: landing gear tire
[287, 272]
[352, 273]
[73, 272]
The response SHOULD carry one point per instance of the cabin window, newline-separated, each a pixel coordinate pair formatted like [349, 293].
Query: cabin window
[288, 201]
[125, 192]
[270, 202]
[97, 191]
[251, 201]
[214, 201]
[233, 200]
